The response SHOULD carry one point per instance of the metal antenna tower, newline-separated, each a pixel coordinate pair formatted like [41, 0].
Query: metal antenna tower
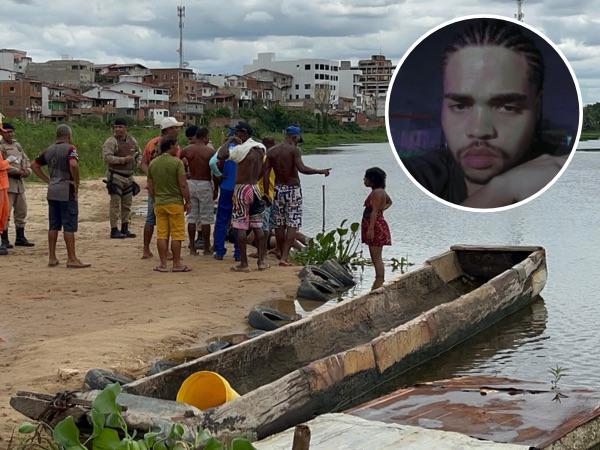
[181, 15]
[519, 15]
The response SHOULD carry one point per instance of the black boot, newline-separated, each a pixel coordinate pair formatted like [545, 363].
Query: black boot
[125, 230]
[3, 250]
[21, 240]
[116, 234]
[5, 243]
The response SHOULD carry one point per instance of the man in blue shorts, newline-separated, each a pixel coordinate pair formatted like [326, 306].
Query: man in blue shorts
[63, 187]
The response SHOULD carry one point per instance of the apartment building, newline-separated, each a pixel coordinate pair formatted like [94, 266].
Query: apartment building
[70, 72]
[310, 77]
[376, 76]
[21, 98]
[350, 86]
[14, 60]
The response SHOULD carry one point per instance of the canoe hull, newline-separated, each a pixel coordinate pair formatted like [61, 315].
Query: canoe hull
[349, 377]
[340, 357]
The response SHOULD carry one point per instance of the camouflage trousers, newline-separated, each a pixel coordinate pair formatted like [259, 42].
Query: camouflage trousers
[120, 204]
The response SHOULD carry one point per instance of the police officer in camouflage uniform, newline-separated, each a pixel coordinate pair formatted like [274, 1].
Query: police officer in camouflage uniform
[120, 152]
[20, 168]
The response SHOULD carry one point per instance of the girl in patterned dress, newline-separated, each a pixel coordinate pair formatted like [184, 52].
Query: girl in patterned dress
[375, 231]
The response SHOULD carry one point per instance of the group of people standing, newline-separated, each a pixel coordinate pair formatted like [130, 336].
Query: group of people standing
[257, 185]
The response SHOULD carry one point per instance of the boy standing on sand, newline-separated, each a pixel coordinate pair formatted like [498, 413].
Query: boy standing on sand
[167, 185]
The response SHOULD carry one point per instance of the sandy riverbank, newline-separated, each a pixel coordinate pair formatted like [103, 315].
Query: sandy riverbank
[119, 314]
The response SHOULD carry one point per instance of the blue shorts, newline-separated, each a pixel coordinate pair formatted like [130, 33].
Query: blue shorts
[150, 217]
[266, 219]
[63, 215]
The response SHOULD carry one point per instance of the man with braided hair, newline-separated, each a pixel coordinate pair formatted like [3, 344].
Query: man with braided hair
[493, 77]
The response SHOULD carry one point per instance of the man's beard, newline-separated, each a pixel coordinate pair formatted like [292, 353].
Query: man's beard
[480, 176]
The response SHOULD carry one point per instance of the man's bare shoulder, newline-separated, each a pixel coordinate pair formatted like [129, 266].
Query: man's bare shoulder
[281, 149]
[205, 151]
[192, 148]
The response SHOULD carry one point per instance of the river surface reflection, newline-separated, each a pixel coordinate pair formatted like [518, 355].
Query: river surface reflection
[560, 329]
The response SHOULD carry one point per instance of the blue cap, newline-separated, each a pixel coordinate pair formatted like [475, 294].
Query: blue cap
[293, 130]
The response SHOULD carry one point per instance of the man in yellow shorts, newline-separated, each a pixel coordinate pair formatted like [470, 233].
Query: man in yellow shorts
[167, 184]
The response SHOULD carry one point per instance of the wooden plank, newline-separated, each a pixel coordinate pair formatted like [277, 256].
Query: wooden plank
[344, 432]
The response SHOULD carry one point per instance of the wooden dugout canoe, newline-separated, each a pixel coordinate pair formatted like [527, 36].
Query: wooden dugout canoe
[330, 360]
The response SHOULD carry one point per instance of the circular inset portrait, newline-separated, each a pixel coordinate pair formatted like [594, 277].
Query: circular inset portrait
[484, 113]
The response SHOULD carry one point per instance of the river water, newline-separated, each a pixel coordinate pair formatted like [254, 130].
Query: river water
[561, 329]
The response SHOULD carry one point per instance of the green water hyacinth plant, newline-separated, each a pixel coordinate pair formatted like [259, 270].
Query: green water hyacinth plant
[110, 432]
[340, 244]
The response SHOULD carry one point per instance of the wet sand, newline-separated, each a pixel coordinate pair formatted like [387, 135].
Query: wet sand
[119, 314]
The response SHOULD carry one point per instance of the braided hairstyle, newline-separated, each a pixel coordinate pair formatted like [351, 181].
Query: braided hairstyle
[501, 33]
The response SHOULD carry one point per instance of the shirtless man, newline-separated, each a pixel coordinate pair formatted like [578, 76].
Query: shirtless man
[286, 161]
[202, 192]
[247, 204]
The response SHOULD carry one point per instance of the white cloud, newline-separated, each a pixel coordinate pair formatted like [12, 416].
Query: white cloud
[258, 17]
[223, 36]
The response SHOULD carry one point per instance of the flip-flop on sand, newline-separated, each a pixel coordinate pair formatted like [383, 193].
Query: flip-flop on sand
[78, 266]
[240, 269]
[161, 269]
[181, 269]
[285, 264]
[54, 263]
[264, 266]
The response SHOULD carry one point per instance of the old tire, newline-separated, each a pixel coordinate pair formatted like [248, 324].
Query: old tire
[338, 271]
[317, 273]
[315, 290]
[100, 378]
[262, 318]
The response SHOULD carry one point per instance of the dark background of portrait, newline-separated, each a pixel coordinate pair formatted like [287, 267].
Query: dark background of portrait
[416, 95]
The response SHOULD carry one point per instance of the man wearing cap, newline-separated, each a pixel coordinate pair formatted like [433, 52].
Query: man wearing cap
[19, 169]
[168, 127]
[247, 203]
[121, 153]
[286, 161]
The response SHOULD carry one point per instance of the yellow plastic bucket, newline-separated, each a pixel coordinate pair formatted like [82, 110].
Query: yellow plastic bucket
[205, 390]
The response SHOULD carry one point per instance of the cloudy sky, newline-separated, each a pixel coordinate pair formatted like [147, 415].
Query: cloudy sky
[222, 36]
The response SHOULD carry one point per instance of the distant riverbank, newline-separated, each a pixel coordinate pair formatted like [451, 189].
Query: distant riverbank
[313, 141]
[34, 137]
[590, 134]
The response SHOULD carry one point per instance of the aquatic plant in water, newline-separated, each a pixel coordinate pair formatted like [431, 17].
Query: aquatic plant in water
[557, 372]
[340, 244]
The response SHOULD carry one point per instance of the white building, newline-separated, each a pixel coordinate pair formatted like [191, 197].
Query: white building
[308, 75]
[350, 84]
[148, 94]
[207, 89]
[214, 79]
[123, 100]
[14, 60]
[6, 75]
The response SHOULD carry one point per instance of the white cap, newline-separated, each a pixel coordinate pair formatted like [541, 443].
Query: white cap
[169, 122]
